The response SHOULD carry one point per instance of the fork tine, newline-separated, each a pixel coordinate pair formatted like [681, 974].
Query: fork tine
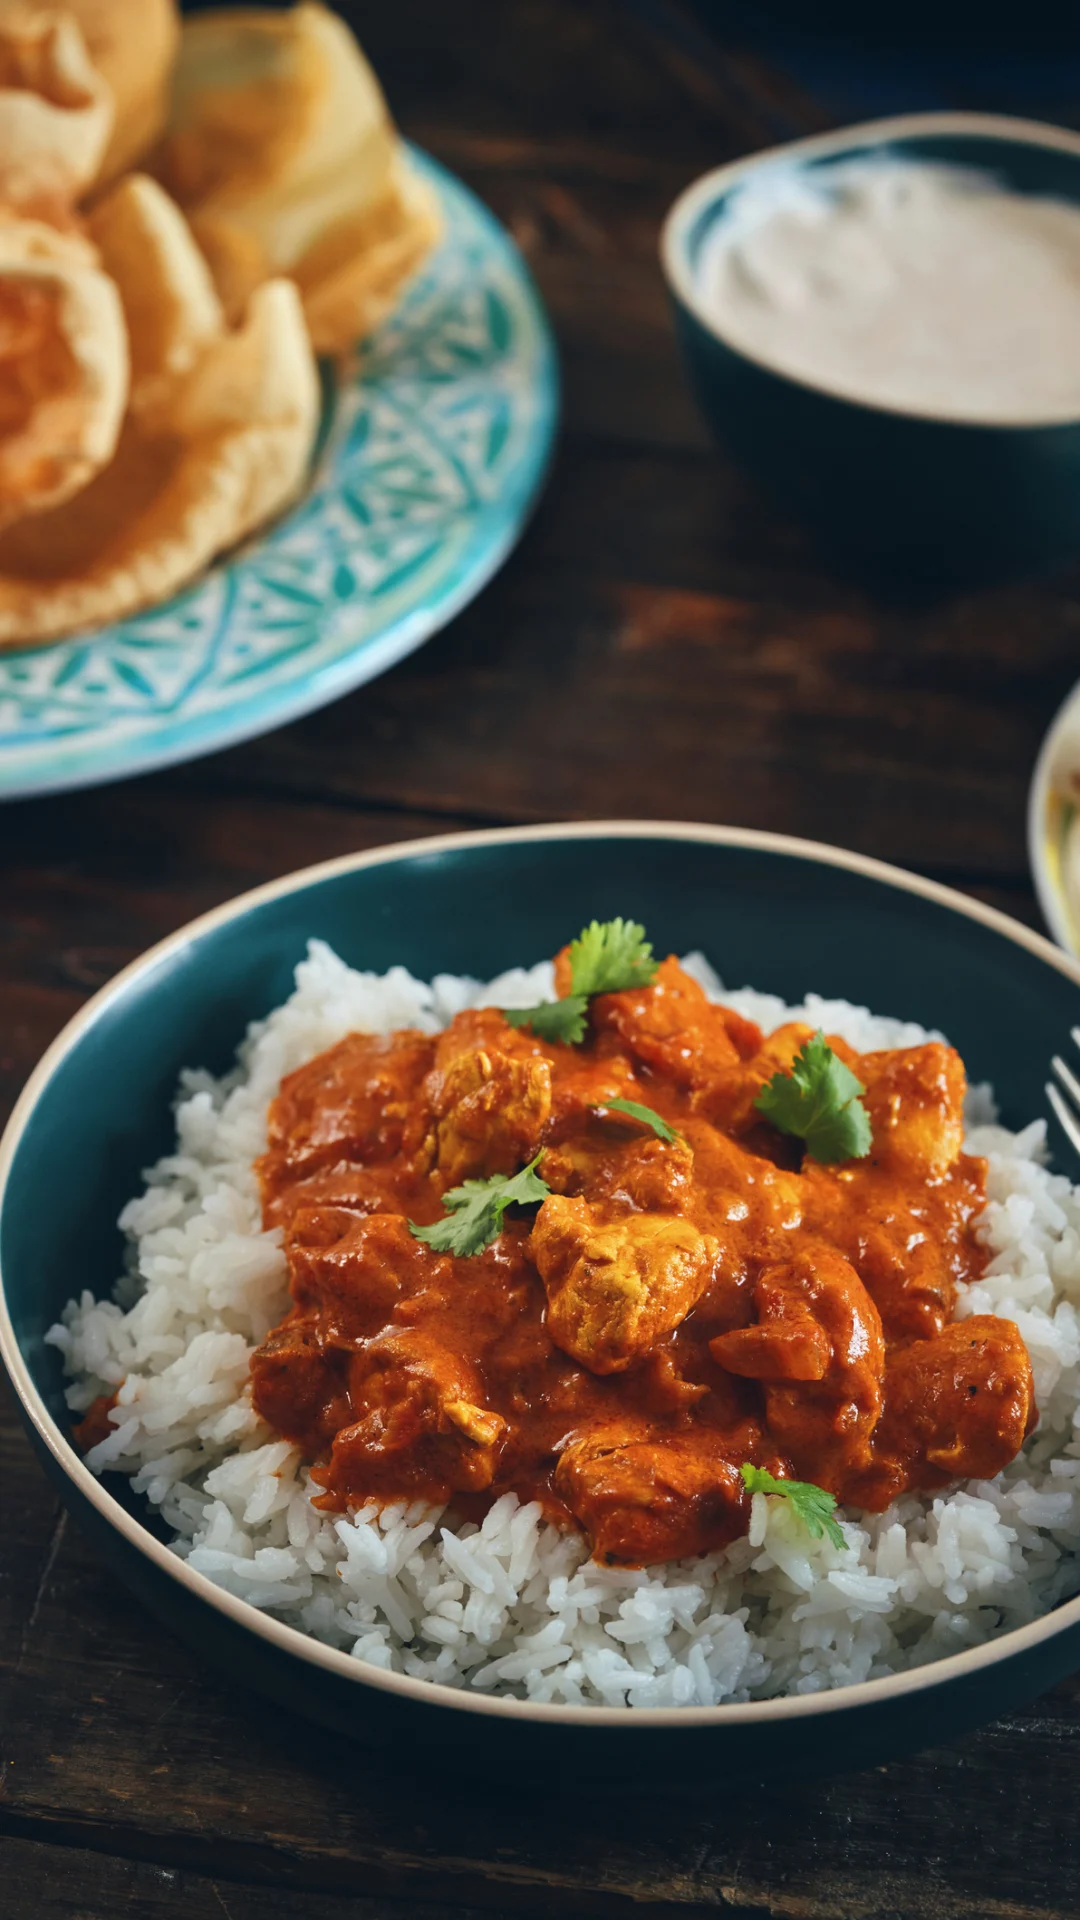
[1076, 1036]
[1069, 1122]
[1067, 1077]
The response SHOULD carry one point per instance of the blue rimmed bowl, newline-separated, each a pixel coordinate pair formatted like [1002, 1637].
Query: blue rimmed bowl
[916, 494]
[785, 915]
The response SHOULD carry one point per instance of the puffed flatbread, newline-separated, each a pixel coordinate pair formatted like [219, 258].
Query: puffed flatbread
[352, 280]
[133, 44]
[56, 112]
[25, 239]
[173, 312]
[282, 153]
[63, 367]
[230, 451]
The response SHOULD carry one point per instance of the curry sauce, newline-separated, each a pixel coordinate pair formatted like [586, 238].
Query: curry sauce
[674, 1308]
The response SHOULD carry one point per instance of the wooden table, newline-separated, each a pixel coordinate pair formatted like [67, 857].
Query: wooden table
[662, 644]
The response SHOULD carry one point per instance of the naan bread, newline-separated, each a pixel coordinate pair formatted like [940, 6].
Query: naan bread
[63, 367]
[56, 112]
[282, 152]
[211, 454]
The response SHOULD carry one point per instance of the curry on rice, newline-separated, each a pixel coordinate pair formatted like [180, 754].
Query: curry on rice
[687, 1294]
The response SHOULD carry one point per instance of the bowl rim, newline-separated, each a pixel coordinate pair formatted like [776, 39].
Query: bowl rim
[1048, 889]
[694, 199]
[292, 1641]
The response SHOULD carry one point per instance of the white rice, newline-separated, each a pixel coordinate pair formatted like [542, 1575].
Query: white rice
[514, 1605]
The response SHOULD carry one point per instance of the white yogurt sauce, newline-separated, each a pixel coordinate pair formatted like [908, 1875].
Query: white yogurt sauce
[912, 284]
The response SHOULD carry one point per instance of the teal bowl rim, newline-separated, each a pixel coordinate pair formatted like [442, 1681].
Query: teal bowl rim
[290, 1641]
[695, 200]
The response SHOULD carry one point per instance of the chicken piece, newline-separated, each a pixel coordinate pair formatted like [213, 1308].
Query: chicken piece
[646, 1175]
[905, 1270]
[584, 1083]
[321, 1226]
[348, 1188]
[956, 1408]
[299, 1384]
[354, 1102]
[419, 1425]
[617, 1285]
[819, 1351]
[674, 1029]
[490, 1092]
[915, 1099]
[907, 1240]
[743, 1186]
[642, 1500]
[356, 1281]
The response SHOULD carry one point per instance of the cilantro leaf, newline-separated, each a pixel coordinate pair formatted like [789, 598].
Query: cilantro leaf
[604, 958]
[812, 1505]
[819, 1102]
[647, 1117]
[476, 1211]
[609, 957]
[553, 1019]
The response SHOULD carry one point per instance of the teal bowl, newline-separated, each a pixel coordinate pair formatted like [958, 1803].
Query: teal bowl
[912, 495]
[784, 915]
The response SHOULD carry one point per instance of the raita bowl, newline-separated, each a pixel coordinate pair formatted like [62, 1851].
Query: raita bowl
[921, 498]
[784, 915]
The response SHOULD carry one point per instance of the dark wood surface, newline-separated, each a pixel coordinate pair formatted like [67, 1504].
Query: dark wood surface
[662, 643]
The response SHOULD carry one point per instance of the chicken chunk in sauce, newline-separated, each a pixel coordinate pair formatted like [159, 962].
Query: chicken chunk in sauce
[490, 1096]
[687, 1299]
[617, 1282]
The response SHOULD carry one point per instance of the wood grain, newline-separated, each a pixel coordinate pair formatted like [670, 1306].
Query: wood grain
[120, 1742]
[663, 648]
[663, 643]
[46, 1882]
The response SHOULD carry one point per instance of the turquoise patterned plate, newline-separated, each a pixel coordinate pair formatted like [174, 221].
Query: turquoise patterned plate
[429, 462]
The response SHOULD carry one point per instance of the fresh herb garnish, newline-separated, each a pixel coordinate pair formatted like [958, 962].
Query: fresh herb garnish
[819, 1102]
[647, 1117]
[476, 1211]
[607, 957]
[553, 1019]
[810, 1504]
[610, 957]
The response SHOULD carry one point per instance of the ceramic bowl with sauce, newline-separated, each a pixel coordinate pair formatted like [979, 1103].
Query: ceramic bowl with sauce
[925, 492]
[784, 914]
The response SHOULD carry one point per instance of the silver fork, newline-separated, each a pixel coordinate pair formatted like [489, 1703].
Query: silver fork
[1070, 1120]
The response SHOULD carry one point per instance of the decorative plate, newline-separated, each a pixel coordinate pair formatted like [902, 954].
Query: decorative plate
[429, 460]
[1054, 825]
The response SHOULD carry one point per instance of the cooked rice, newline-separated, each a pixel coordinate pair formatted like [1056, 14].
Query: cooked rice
[515, 1605]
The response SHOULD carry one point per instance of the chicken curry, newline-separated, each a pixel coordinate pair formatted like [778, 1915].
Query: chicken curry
[673, 1288]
